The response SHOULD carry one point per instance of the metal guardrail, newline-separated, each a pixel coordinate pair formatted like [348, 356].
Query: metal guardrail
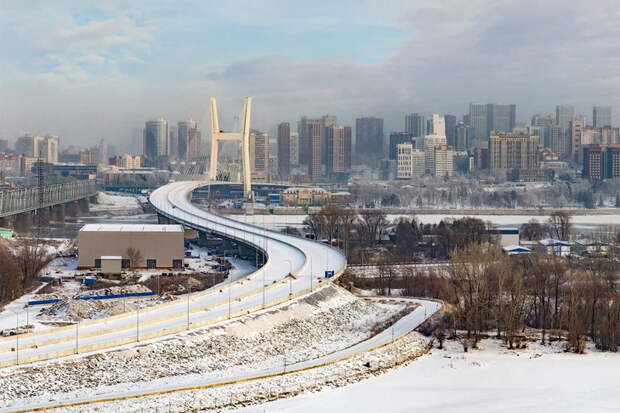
[93, 297]
[25, 199]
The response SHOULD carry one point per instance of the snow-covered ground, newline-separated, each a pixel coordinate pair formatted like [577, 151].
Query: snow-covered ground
[319, 324]
[538, 379]
[580, 221]
[111, 202]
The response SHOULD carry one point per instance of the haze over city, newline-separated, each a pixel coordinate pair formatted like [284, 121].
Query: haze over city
[86, 72]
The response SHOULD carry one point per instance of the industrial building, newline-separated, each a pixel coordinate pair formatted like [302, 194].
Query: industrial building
[160, 246]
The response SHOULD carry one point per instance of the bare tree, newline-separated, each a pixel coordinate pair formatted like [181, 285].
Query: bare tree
[135, 257]
[560, 225]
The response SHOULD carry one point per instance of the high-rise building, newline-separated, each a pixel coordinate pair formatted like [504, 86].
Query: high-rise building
[173, 141]
[156, 139]
[44, 147]
[183, 128]
[326, 122]
[4, 145]
[369, 137]
[513, 151]
[284, 150]
[305, 128]
[315, 165]
[601, 116]
[348, 148]
[464, 135]
[337, 152]
[415, 124]
[397, 138]
[577, 125]
[492, 118]
[564, 114]
[409, 161]
[450, 122]
[259, 156]
[478, 120]
[294, 146]
[437, 125]
[559, 141]
[443, 162]
[432, 143]
[194, 144]
[502, 117]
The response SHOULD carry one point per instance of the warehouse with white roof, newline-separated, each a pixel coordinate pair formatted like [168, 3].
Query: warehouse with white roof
[152, 246]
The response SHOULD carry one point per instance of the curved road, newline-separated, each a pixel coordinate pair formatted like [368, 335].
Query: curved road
[400, 329]
[270, 285]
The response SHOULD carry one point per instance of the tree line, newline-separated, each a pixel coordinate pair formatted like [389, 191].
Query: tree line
[20, 265]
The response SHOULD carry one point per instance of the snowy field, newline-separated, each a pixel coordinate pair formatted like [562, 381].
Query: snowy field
[580, 221]
[538, 379]
[326, 321]
[111, 202]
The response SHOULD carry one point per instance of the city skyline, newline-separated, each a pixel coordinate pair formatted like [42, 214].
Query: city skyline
[121, 63]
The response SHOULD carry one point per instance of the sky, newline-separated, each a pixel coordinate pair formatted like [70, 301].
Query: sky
[97, 70]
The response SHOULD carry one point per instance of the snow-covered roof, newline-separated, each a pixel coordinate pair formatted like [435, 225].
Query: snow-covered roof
[111, 257]
[131, 228]
[516, 249]
[555, 242]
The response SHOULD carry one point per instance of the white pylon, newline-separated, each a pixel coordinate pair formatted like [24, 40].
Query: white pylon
[243, 136]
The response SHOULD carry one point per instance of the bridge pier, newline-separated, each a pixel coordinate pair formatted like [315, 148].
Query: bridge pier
[72, 209]
[58, 213]
[42, 216]
[23, 222]
[84, 205]
[7, 222]
[93, 199]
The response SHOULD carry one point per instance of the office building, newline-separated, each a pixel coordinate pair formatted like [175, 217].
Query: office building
[369, 137]
[183, 128]
[294, 146]
[564, 114]
[463, 137]
[396, 138]
[4, 145]
[513, 151]
[415, 124]
[314, 136]
[478, 120]
[156, 139]
[194, 144]
[259, 156]
[501, 117]
[443, 162]
[601, 116]
[577, 125]
[306, 128]
[173, 141]
[326, 122]
[129, 161]
[559, 141]
[284, 150]
[348, 148]
[337, 148]
[437, 125]
[432, 143]
[409, 161]
[450, 124]
[43, 147]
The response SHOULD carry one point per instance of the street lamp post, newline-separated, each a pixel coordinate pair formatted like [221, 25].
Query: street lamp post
[189, 291]
[16, 337]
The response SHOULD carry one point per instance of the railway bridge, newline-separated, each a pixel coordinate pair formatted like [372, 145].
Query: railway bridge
[53, 202]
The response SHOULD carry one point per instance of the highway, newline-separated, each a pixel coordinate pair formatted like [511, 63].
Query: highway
[399, 329]
[270, 285]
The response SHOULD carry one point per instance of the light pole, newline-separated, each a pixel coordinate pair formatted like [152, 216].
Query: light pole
[76, 337]
[137, 323]
[290, 277]
[189, 291]
[310, 258]
[16, 337]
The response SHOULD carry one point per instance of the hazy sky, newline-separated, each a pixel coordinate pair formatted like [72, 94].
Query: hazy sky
[94, 71]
